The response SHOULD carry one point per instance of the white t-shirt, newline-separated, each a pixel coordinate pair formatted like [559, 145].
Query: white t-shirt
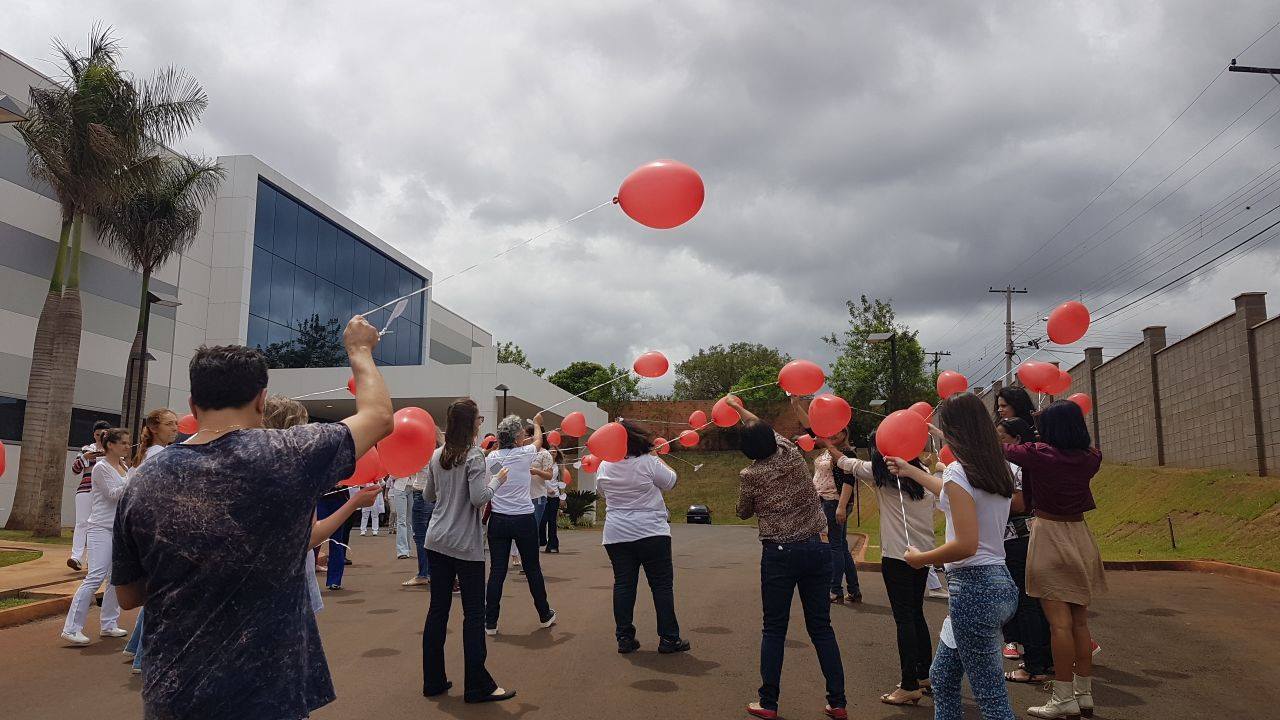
[554, 486]
[108, 487]
[513, 497]
[993, 513]
[632, 491]
[538, 486]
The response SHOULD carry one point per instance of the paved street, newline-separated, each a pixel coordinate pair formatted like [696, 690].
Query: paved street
[1176, 645]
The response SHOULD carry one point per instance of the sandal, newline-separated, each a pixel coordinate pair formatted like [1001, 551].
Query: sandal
[1012, 676]
[902, 697]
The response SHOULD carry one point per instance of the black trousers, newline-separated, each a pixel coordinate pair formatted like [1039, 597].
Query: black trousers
[654, 555]
[477, 682]
[785, 569]
[523, 531]
[1029, 624]
[547, 528]
[905, 586]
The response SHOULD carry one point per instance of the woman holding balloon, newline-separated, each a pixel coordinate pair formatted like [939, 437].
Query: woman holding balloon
[835, 490]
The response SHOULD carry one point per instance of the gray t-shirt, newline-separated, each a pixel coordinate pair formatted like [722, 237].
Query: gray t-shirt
[460, 493]
[219, 531]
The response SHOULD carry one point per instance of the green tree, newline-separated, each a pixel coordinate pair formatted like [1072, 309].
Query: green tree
[319, 344]
[581, 376]
[509, 352]
[863, 371]
[715, 370]
[759, 375]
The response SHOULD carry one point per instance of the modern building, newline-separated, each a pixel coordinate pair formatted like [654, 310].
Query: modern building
[269, 257]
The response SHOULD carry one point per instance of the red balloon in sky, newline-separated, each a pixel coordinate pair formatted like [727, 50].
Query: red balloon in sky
[923, 409]
[951, 382]
[662, 194]
[1084, 401]
[1060, 383]
[590, 463]
[697, 419]
[662, 445]
[1068, 322]
[575, 424]
[351, 385]
[1036, 375]
[688, 438]
[723, 415]
[554, 438]
[609, 443]
[2, 454]
[651, 364]
[805, 442]
[903, 434]
[188, 425]
[801, 377]
[829, 414]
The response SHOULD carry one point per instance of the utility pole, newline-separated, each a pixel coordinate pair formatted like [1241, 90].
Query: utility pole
[937, 354]
[1009, 292]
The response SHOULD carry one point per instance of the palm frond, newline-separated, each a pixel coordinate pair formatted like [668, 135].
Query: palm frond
[170, 104]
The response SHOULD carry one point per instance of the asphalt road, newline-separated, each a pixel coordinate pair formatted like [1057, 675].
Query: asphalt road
[1176, 645]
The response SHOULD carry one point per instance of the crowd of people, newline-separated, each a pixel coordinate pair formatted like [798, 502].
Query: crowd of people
[230, 613]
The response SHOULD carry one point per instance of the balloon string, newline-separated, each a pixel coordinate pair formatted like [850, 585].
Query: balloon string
[584, 392]
[520, 244]
[903, 505]
[322, 392]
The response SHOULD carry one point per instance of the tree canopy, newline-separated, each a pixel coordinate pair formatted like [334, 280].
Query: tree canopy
[717, 369]
[319, 344]
[511, 353]
[583, 375]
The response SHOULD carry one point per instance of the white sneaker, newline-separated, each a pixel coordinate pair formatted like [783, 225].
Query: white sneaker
[76, 638]
[363, 533]
[549, 621]
[127, 654]
[115, 632]
[491, 631]
[135, 671]
[375, 533]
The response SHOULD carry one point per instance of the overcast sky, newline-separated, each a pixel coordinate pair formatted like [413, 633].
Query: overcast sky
[918, 152]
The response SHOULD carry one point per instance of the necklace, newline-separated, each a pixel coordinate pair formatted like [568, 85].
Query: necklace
[218, 431]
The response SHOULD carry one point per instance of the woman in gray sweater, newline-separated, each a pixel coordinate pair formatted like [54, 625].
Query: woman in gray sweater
[460, 485]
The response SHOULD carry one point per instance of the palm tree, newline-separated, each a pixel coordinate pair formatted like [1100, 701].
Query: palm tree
[82, 136]
[156, 220]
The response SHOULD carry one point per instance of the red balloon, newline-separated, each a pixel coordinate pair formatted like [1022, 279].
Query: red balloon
[1084, 401]
[801, 377]
[188, 425]
[368, 469]
[951, 382]
[662, 445]
[1037, 375]
[1059, 384]
[575, 424]
[805, 442]
[723, 415]
[351, 385]
[488, 442]
[923, 409]
[688, 438]
[590, 463]
[2, 454]
[651, 364]
[662, 194]
[697, 419]
[829, 414]
[903, 434]
[609, 443]
[409, 446]
[554, 438]
[1068, 322]
[946, 456]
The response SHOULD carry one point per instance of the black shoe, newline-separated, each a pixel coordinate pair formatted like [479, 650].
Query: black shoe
[666, 647]
[347, 561]
[447, 687]
[626, 646]
[854, 598]
[493, 697]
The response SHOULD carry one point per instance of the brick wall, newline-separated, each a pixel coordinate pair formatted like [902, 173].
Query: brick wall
[1125, 409]
[667, 418]
[1266, 338]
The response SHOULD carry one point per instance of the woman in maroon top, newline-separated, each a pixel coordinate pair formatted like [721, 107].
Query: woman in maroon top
[1064, 567]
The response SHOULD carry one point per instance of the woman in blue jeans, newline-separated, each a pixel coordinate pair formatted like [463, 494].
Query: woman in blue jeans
[974, 493]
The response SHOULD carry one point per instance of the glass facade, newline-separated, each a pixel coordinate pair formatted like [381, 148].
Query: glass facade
[304, 265]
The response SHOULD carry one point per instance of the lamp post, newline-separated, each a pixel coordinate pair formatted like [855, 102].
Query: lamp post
[892, 338]
[502, 388]
[139, 360]
[10, 110]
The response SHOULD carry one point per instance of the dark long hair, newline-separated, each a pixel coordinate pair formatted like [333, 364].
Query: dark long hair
[459, 432]
[884, 478]
[972, 438]
[639, 439]
[1062, 425]
[1018, 429]
[1023, 408]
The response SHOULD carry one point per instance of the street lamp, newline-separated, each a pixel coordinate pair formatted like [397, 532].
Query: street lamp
[502, 388]
[877, 403]
[892, 338]
[10, 110]
[141, 358]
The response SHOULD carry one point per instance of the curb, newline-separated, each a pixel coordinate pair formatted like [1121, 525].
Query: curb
[34, 611]
[1211, 567]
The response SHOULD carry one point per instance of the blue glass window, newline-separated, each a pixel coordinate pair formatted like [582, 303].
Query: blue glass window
[277, 333]
[257, 332]
[304, 289]
[326, 248]
[281, 292]
[286, 235]
[260, 284]
[264, 217]
[308, 231]
[324, 300]
[344, 259]
[360, 271]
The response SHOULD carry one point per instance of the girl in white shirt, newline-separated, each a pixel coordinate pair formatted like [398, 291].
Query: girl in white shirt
[636, 535]
[974, 493]
[554, 491]
[109, 482]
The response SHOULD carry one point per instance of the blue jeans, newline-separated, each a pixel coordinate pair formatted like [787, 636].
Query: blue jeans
[135, 640]
[983, 598]
[785, 568]
[539, 507]
[843, 568]
[420, 516]
[326, 506]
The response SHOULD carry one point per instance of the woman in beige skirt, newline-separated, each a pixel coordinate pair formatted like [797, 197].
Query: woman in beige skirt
[1064, 567]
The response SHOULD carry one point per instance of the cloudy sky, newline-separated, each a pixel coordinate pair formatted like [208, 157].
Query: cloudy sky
[919, 152]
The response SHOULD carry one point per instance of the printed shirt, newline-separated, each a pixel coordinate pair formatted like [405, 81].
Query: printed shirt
[538, 486]
[83, 467]
[217, 532]
[824, 482]
[779, 492]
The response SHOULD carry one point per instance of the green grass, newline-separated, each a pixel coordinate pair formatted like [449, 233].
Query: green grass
[26, 536]
[13, 557]
[1217, 515]
[13, 602]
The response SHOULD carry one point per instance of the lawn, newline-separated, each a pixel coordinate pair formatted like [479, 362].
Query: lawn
[13, 557]
[1216, 514]
[26, 536]
[13, 602]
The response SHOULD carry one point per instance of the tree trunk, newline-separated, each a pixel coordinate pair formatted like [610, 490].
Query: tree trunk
[25, 512]
[135, 374]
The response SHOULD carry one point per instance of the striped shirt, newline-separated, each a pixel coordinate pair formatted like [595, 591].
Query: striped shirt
[83, 467]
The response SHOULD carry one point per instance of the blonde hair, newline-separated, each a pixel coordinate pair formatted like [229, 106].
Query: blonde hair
[149, 424]
[282, 412]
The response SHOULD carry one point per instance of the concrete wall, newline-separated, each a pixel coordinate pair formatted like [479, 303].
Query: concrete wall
[1125, 408]
[1266, 338]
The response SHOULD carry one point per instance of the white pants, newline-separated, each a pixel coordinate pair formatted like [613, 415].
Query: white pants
[933, 581]
[99, 546]
[83, 504]
[365, 514]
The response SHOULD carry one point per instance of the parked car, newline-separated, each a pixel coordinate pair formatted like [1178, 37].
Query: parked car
[698, 515]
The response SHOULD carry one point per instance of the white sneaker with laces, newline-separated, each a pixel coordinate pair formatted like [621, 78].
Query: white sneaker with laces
[75, 638]
[115, 632]
[549, 621]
